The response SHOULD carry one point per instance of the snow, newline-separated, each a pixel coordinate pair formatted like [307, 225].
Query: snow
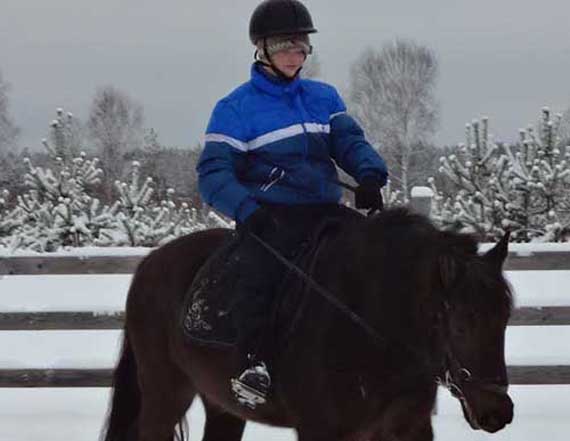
[422, 192]
[540, 288]
[528, 249]
[81, 292]
[59, 349]
[78, 414]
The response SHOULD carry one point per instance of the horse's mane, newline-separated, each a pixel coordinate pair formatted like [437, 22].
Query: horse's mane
[404, 231]
[408, 224]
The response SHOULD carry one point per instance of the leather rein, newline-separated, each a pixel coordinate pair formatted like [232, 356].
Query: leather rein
[451, 374]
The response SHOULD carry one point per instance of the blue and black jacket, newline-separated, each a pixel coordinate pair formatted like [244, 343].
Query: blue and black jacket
[271, 141]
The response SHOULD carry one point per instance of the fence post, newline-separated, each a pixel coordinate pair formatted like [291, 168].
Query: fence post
[421, 200]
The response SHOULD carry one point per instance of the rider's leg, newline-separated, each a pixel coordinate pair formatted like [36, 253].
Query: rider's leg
[259, 274]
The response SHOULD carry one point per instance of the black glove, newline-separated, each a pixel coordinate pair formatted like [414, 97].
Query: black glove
[367, 195]
[258, 222]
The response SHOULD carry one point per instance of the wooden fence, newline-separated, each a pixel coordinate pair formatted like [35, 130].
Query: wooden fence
[542, 316]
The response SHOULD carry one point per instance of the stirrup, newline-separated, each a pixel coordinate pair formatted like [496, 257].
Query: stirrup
[252, 386]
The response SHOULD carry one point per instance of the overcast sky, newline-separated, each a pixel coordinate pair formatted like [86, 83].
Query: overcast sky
[501, 58]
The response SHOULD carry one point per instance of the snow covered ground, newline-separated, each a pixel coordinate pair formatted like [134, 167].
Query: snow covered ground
[542, 413]
[77, 415]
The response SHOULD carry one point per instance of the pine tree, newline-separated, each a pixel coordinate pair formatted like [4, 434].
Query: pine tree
[59, 207]
[65, 138]
[144, 221]
[56, 204]
[524, 187]
[9, 218]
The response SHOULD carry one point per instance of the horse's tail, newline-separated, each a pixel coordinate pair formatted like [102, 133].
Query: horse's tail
[125, 403]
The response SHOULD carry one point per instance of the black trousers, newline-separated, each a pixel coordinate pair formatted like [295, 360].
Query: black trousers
[260, 272]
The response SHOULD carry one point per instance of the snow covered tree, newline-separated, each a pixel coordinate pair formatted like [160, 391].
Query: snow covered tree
[57, 210]
[524, 187]
[9, 218]
[565, 127]
[59, 206]
[392, 94]
[8, 131]
[65, 137]
[143, 221]
[11, 175]
[151, 145]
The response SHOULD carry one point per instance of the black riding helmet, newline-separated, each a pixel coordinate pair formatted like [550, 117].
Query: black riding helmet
[279, 17]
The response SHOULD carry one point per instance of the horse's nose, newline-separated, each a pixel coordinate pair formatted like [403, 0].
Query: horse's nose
[495, 420]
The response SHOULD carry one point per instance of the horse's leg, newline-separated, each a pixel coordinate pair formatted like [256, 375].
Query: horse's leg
[165, 398]
[221, 426]
[166, 391]
[407, 419]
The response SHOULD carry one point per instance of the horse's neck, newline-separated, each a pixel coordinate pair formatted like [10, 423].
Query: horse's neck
[398, 303]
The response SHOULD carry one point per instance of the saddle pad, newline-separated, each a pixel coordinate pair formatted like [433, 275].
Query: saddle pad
[208, 304]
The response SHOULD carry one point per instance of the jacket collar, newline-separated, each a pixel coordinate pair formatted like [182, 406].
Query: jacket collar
[272, 85]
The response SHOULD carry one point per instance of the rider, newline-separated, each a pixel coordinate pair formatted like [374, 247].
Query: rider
[271, 146]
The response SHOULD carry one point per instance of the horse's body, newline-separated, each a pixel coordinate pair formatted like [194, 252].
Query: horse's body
[440, 309]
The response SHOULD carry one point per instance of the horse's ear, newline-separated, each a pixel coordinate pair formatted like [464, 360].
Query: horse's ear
[499, 252]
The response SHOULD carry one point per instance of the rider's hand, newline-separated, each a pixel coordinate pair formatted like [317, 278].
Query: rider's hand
[367, 195]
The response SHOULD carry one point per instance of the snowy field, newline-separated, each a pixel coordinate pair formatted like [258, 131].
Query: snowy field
[541, 413]
[77, 415]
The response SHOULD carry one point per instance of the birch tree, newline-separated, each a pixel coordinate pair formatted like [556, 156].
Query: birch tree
[115, 126]
[392, 94]
[565, 127]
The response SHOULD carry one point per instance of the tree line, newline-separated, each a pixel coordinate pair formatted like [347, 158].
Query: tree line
[481, 186]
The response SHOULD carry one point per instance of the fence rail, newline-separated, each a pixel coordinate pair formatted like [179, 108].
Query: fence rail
[18, 321]
[57, 264]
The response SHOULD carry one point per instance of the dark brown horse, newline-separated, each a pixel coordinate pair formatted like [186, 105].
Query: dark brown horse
[439, 308]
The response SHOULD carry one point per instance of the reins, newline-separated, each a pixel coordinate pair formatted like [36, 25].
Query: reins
[327, 295]
[454, 374]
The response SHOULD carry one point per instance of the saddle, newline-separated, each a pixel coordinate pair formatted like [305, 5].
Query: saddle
[209, 302]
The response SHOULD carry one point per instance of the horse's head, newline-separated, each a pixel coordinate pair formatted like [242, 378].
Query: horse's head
[476, 308]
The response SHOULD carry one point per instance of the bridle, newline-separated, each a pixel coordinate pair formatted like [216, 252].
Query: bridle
[454, 375]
